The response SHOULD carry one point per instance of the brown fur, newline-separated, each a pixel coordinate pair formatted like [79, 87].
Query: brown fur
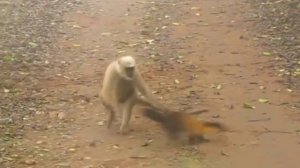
[176, 122]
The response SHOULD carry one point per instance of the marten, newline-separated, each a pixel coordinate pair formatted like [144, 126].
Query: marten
[178, 122]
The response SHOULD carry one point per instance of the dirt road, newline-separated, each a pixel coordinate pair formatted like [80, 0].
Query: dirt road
[194, 55]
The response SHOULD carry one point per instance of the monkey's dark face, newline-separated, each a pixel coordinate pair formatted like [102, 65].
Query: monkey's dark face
[129, 71]
[126, 66]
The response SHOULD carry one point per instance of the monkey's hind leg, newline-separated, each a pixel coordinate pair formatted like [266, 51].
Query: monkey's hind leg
[111, 115]
[127, 110]
[111, 118]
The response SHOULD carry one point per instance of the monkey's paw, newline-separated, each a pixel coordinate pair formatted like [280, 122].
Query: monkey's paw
[124, 130]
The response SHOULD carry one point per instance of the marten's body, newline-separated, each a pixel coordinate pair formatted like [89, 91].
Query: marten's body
[176, 122]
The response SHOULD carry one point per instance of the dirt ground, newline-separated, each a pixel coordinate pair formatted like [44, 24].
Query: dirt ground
[193, 55]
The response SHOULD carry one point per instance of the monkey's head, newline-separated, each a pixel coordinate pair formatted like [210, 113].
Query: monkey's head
[127, 66]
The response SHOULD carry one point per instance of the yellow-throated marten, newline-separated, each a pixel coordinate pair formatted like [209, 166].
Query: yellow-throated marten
[177, 122]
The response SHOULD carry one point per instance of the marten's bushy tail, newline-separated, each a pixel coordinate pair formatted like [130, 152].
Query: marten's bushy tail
[176, 122]
[155, 115]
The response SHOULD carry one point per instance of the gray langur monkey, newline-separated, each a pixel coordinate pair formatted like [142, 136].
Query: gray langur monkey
[120, 91]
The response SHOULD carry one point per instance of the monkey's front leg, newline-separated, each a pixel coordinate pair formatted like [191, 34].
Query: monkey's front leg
[127, 110]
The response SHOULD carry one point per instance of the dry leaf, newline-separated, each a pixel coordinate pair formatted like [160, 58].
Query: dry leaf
[106, 34]
[116, 146]
[72, 150]
[100, 123]
[194, 8]
[30, 162]
[263, 100]
[76, 26]
[61, 115]
[32, 44]
[219, 87]
[6, 90]
[248, 106]
[150, 41]
[164, 27]
[265, 53]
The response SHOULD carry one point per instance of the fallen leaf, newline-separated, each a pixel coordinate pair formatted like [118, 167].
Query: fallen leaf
[265, 53]
[6, 90]
[164, 27]
[248, 106]
[176, 81]
[155, 92]
[116, 146]
[89, 166]
[30, 162]
[87, 158]
[224, 153]
[121, 51]
[8, 158]
[213, 86]
[297, 72]
[32, 44]
[150, 41]
[76, 26]
[106, 34]
[61, 115]
[176, 24]
[133, 45]
[9, 58]
[263, 100]
[72, 150]
[39, 142]
[100, 123]
[219, 87]
[147, 143]
[194, 8]
[63, 165]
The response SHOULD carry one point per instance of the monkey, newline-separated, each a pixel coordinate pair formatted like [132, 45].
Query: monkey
[122, 88]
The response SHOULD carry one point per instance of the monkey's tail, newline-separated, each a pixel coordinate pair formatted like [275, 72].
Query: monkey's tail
[155, 115]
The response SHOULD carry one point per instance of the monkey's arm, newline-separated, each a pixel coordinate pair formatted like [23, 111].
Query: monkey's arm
[145, 91]
[141, 85]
